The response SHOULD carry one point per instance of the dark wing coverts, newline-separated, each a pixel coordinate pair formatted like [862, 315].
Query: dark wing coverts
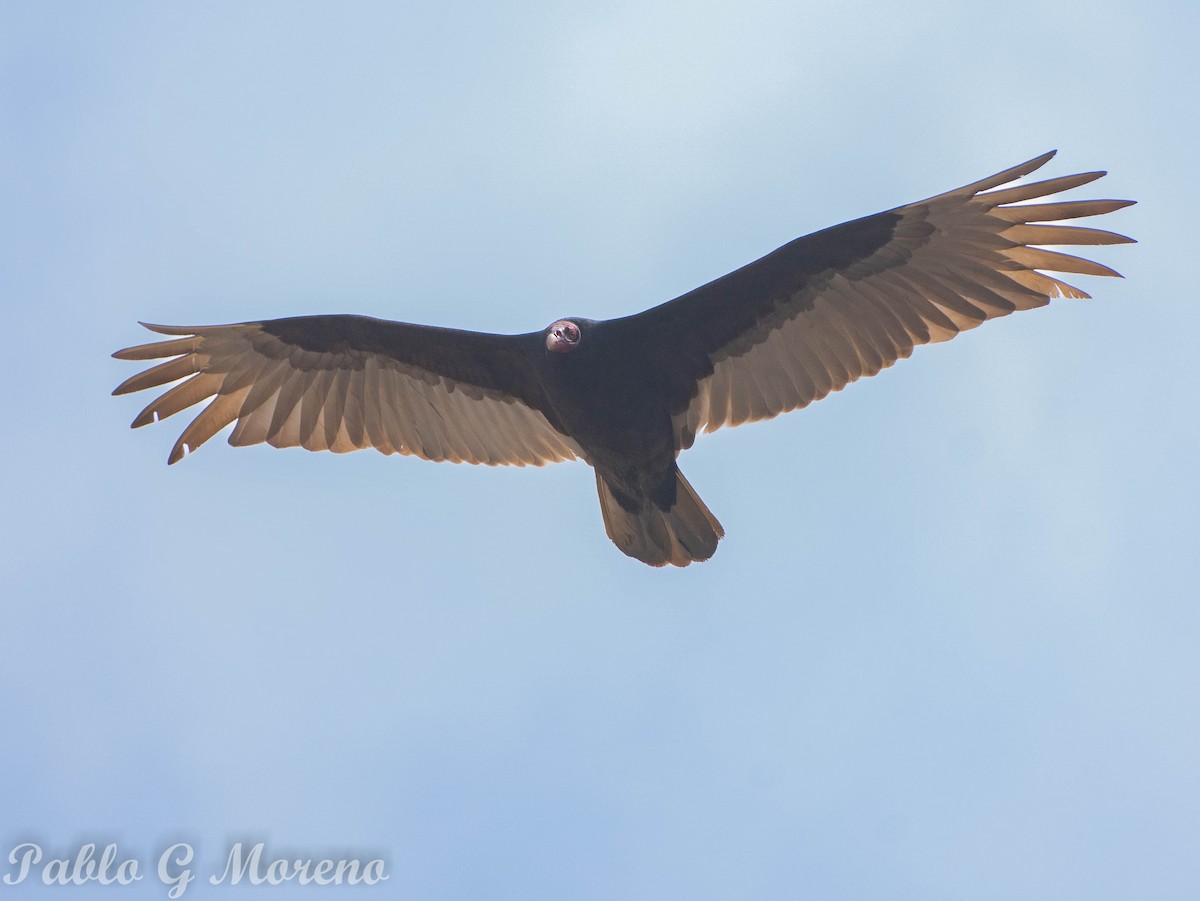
[342, 383]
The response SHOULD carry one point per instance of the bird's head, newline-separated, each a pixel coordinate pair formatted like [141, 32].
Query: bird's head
[563, 336]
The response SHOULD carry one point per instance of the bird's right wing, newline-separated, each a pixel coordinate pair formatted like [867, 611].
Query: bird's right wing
[846, 302]
[342, 383]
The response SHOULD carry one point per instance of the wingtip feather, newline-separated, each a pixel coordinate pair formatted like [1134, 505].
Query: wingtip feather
[1006, 175]
[168, 329]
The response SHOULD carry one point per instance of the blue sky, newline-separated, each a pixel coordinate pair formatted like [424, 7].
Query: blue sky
[948, 648]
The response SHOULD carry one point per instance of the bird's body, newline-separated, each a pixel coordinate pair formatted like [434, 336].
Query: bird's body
[611, 403]
[627, 395]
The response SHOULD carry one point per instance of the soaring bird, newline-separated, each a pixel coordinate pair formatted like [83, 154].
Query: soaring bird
[627, 395]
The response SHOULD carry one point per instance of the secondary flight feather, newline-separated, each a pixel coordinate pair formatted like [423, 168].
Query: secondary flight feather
[628, 395]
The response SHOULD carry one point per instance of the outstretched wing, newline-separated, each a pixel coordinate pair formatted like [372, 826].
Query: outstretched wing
[342, 383]
[846, 302]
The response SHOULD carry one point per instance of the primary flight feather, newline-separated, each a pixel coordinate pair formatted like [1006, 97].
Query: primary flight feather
[627, 395]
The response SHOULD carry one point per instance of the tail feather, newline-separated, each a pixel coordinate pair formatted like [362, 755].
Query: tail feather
[686, 532]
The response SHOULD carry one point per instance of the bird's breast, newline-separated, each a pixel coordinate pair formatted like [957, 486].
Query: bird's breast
[613, 409]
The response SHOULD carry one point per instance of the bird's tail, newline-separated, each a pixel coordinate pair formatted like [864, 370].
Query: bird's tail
[676, 528]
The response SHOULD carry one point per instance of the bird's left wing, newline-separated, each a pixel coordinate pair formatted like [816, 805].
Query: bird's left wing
[341, 383]
[846, 302]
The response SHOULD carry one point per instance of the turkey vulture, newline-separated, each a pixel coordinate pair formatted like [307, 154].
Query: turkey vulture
[627, 395]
